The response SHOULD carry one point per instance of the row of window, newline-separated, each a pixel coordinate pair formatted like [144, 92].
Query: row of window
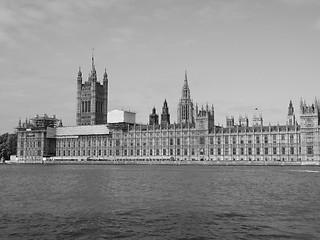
[31, 144]
[171, 152]
[157, 141]
[31, 153]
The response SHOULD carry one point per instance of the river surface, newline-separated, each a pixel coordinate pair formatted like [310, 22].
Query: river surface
[159, 202]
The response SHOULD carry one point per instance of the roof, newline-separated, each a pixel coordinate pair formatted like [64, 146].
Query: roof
[82, 130]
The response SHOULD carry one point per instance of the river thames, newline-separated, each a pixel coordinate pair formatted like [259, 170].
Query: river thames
[159, 202]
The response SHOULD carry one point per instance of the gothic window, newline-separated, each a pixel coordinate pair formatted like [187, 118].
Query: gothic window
[274, 151]
[242, 151]
[258, 151]
[234, 151]
[185, 151]
[226, 151]
[291, 138]
[292, 150]
[310, 150]
[178, 151]
[274, 138]
[202, 152]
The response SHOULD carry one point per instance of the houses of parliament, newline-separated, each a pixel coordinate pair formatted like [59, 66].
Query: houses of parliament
[115, 137]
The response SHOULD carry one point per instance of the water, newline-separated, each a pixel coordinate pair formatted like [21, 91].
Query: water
[158, 202]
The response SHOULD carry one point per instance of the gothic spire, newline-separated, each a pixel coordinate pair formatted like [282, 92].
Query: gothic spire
[290, 109]
[92, 60]
[79, 73]
[185, 78]
[105, 76]
[185, 89]
[165, 104]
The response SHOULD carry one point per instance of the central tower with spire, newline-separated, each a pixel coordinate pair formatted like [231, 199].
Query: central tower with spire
[185, 107]
[92, 98]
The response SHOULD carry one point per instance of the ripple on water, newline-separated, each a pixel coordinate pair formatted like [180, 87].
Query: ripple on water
[158, 202]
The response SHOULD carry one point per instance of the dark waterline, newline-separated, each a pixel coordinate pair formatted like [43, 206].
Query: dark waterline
[158, 202]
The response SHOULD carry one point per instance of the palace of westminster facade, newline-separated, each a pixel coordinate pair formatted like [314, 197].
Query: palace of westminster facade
[195, 136]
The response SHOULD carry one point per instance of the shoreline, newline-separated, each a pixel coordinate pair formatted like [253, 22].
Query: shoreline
[174, 163]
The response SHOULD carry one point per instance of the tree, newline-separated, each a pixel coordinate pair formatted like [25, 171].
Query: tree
[8, 145]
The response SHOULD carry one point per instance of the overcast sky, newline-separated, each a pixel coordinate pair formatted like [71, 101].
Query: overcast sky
[239, 55]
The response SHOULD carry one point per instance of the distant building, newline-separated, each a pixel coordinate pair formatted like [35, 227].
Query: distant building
[194, 138]
[92, 98]
[165, 115]
[153, 117]
[185, 111]
[120, 116]
[37, 138]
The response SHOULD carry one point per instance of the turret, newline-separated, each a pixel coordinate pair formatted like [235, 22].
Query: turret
[105, 77]
[153, 117]
[165, 116]
[105, 96]
[79, 78]
[291, 119]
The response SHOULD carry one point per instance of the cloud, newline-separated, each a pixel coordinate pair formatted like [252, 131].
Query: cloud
[298, 2]
[225, 10]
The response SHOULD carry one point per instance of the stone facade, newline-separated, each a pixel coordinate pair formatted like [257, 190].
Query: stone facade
[194, 138]
[92, 98]
[36, 138]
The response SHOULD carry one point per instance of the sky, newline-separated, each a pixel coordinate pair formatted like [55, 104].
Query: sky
[239, 55]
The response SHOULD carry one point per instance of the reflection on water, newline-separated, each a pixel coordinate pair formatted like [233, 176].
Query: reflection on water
[159, 202]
